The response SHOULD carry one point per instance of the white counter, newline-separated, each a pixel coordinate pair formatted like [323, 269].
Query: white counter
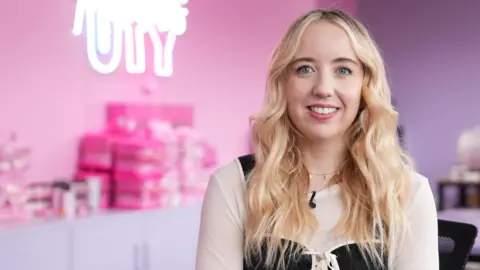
[136, 240]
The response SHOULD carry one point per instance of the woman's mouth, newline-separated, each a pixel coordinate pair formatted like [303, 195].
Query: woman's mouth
[322, 113]
[322, 110]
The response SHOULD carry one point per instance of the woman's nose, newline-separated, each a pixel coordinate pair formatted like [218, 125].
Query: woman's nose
[323, 86]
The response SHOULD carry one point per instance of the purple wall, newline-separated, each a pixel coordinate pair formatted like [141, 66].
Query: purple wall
[432, 52]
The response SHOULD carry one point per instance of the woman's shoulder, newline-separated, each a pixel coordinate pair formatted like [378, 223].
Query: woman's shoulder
[419, 183]
[229, 175]
[228, 182]
[421, 195]
[231, 170]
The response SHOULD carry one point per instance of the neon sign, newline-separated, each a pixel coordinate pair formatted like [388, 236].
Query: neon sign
[108, 22]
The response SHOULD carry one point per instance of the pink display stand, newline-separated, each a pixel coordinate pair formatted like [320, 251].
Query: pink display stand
[145, 153]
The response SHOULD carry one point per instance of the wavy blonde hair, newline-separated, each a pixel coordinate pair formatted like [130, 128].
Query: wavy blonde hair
[374, 180]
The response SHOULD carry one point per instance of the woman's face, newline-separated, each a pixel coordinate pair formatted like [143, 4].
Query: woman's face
[324, 83]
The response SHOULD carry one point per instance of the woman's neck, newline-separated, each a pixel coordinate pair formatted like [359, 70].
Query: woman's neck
[323, 159]
[323, 162]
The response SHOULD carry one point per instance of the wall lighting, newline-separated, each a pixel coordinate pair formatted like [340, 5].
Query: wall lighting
[106, 23]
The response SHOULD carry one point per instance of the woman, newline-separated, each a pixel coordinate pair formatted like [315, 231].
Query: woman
[326, 135]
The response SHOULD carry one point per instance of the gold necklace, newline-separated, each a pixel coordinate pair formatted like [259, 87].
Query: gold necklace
[324, 175]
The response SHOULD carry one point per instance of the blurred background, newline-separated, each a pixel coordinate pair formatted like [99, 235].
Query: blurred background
[108, 133]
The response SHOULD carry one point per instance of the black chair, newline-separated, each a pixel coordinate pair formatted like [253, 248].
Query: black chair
[455, 242]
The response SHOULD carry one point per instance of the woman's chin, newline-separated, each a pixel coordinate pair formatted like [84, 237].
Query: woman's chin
[324, 134]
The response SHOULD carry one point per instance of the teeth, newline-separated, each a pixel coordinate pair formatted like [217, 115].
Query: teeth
[321, 110]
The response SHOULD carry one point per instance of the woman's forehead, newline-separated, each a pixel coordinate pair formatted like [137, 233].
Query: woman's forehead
[325, 41]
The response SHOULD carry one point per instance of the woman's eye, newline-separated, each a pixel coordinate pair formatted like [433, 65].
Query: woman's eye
[304, 69]
[344, 71]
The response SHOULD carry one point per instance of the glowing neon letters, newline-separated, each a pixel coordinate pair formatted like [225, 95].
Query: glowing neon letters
[106, 22]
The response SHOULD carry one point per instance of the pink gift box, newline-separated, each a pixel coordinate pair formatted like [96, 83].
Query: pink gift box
[193, 144]
[139, 169]
[139, 192]
[95, 160]
[95, 151]
[132, 200]
[130, 118]
[141, 150]
[131, 182]
[104, 200]
[96, 142]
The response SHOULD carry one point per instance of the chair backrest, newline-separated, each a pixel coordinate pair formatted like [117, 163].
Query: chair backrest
[455, 242]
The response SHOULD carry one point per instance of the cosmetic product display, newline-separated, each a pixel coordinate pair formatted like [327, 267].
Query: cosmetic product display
[14, 163]
[150, 155]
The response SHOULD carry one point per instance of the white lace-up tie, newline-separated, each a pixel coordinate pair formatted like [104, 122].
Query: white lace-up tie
[323, 260]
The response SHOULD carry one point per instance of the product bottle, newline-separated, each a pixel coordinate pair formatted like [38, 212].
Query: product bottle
[58, 188]
[68, 202]
[94, 193]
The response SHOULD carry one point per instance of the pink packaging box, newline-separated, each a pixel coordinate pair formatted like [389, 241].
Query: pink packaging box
[140, 169]
[159, 200]
[132, 200]
[190, 140]
[142, 192]
[96, 142]
[101, 161]
[132, 182]
[95, 151]
[130, 118]
[141, 150]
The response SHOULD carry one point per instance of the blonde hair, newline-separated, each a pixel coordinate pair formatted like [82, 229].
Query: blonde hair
[374, 180]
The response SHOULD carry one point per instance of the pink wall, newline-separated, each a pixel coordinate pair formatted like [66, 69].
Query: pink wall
[50, 94]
